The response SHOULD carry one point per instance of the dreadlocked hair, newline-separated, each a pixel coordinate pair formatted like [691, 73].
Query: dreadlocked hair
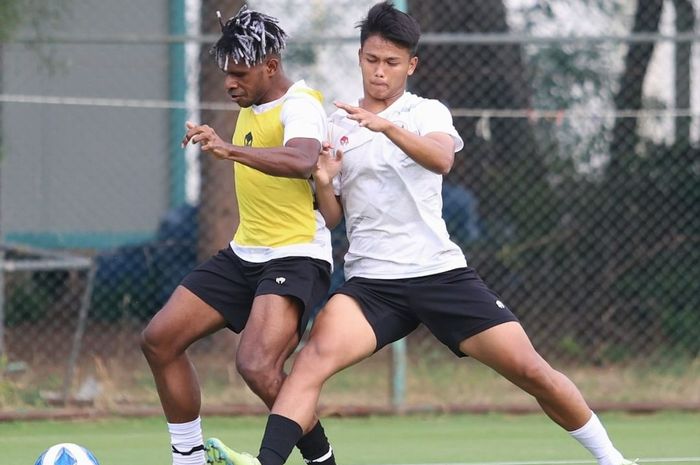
[248, 37]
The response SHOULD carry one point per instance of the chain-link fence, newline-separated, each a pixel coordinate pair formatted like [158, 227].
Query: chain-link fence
[577, 195]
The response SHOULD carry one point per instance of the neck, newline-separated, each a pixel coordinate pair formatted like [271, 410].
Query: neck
[376, 105]
[280, 87]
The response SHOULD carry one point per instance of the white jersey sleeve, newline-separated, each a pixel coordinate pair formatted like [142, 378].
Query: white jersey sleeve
[303, 116]
[432, 116]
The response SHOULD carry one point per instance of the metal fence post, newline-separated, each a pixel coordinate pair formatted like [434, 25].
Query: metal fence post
[398, 375]
[2, 306]
[78, 335]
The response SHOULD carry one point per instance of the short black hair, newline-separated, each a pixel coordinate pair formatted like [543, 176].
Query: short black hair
[248, 37]
[392, 24]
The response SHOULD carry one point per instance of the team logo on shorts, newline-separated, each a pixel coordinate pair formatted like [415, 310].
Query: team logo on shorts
[280, 280]
[500, 304]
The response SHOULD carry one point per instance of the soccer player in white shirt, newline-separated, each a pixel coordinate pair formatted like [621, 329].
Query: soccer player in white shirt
[402, 268]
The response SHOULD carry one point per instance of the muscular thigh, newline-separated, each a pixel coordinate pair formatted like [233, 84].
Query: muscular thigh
[341, 335]
[227, 284]
[385, 306]
[184, 319]
[271, 332]
[300, 282]
[505, 347]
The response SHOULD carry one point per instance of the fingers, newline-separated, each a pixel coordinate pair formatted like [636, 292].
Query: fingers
[346, 107]
[197, 133]
[189, 125]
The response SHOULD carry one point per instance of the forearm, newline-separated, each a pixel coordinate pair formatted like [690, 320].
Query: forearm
[282, 161]
[428, 152]
[329, 205]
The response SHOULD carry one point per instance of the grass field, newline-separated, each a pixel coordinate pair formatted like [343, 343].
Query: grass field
[464, 439]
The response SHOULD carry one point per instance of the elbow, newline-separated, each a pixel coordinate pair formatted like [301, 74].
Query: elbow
[443, 170]
[299, 172]
[332, 218]
[304, 174]
[332, 224]
[305, 169]
[444, 166]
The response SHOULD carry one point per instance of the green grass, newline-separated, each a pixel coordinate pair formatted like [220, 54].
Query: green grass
[371, 440]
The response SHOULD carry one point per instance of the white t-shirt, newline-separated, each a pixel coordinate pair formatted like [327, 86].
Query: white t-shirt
[392, 205]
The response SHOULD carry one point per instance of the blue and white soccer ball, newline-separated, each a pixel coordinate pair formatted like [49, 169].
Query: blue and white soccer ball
[67, 454]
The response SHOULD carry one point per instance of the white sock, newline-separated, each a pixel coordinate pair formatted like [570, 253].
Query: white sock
[185, 437]
[593, 437]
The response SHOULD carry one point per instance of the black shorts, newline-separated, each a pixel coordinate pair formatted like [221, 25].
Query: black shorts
[453, 305]
[230, 284]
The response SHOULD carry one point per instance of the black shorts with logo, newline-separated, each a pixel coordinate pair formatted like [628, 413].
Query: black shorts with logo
[453, 305]
[229, 284]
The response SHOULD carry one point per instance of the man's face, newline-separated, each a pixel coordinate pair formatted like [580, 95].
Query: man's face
[385, 68]
[247, 85]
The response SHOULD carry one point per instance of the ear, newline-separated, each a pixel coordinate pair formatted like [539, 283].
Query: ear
[272, 65]
[412, 64]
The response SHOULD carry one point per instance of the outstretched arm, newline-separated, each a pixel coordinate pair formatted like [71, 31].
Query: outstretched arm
[434, 151]
[296, 159]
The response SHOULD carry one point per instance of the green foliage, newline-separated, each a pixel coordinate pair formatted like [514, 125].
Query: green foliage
[9, 17]
[27, 301]
[39, 15]
[614, 237]
[303, 54]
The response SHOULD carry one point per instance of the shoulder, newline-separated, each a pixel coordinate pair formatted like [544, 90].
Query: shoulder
[303, 99]
[300, 91]
[425, 105]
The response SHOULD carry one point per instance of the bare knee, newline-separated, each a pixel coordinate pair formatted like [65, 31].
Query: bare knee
[157, 346]
[317, 361]
[536, 376]
[262, 373]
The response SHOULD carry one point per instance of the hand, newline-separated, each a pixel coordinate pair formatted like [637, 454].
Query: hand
[207, 138]
[364, 118]
[327, 166]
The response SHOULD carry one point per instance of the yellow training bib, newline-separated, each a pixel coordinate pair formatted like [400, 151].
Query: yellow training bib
[274, 211]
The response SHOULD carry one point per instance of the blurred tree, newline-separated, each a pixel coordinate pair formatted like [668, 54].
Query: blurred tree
[38, 14]
[9, 17]
[502, 163]
[585, 253]
[218, 211]
[685, 23]
[572, 76]
[629, 94]
[638, 248]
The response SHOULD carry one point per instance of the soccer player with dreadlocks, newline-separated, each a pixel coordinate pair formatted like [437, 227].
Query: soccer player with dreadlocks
[277, 267]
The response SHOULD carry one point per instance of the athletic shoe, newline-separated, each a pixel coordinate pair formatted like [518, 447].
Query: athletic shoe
[219, 454]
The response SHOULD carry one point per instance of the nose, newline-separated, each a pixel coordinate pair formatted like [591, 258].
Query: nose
[230, 82]
[379, 71]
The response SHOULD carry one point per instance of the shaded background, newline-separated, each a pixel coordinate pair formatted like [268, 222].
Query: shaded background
[577, 195]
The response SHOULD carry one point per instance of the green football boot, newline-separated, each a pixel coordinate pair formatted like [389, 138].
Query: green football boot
[219, 454]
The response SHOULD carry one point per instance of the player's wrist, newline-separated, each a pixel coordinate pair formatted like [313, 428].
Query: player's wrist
[324, 182]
